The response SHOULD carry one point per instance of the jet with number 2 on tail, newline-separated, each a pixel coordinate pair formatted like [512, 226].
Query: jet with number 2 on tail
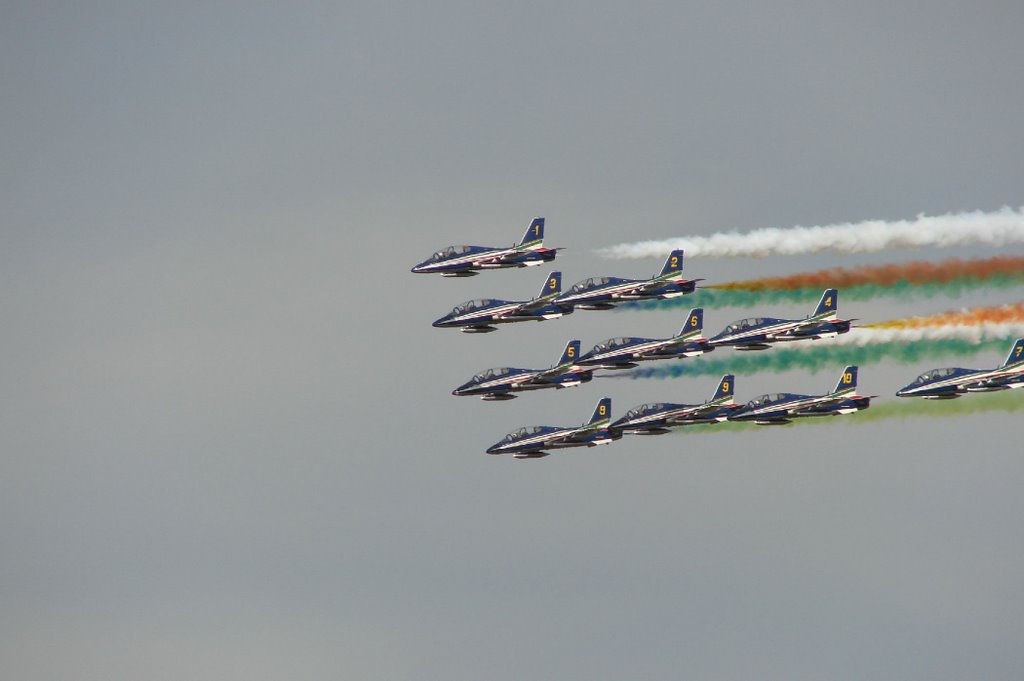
[758, 333]
[479, 316]
[532, 441]
[500, 384]
[946, 384]
[602, 293]
[657, 418]
[780, 408]
[467, 261]
[625, 352]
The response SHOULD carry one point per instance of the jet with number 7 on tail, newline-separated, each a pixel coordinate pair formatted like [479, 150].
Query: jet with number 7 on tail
[602, 293]
[758, 333]
[625, 352]
[499, 384]
[478, 316]
[467, 261]
[946, 384]
[780, 408]
[657, 418]
[532, 441]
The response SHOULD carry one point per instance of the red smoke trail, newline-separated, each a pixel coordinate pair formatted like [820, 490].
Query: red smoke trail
[1002, 314]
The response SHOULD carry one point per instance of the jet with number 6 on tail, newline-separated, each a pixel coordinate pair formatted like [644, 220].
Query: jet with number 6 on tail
[478, 316]
[625, 352]
[657, 418]
[946, 384]
[780, 408]
[602, 293]
[467, 261]
[758, 333]
[532, 441]
[500, 384]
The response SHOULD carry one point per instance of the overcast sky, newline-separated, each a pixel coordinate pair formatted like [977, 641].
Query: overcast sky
[229, 450]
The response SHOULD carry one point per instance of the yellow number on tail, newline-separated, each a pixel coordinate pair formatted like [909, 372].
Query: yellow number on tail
[725, 386]
[536, 230]
[674, 262]
[693, 320]
[847, 377]
[602, 410]
[570, 351]
[1019, 349]
[552, 283]
[828, 302]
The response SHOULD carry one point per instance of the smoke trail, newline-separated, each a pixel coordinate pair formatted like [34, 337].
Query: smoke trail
[952, 229]
[1003, 314]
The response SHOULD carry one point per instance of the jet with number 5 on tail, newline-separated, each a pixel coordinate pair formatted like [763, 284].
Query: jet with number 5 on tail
[532, 442]
[602, 293]
[657, 418]
[467, 261]
[758, 333]
[625, 352]
[479, 316]
[500, 384]
[946, 384]
[780, 408]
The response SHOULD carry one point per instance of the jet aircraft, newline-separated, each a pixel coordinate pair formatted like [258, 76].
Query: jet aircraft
[946, 384]
[499, 384]
[625, 352]
[602, 293]
[658, 417]
[467, 261]
[478, 316]
[781, 408]
[757, 333]
[532, 441]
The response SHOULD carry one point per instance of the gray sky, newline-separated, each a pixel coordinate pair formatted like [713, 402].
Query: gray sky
[229, 448]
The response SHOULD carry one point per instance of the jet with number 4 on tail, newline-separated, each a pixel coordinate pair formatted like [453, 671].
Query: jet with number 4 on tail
[467, 261]
[946, 384]
[780, 408]
[602, 293]
[758, 333]
[657, 418]
[479, 316]
[532, 442]
[625, 352]
[500, 384]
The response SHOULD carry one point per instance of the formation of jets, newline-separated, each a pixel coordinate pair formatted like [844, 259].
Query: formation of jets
[625, 352]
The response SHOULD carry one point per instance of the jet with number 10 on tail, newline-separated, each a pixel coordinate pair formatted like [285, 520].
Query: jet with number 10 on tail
[602, 293]
[625, 352]
[780, 408]
[658, 417]
[478, 316]
[758, 333]
[532, 441]
[499, 384]
[467, 261]
[946, 384]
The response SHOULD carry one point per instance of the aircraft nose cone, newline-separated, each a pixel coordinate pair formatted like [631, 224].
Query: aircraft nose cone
[493, 449]
[439, 323]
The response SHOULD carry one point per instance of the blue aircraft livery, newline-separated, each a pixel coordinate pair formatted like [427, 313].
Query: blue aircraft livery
[467, 261]
[946, 384]
[658, 417]
[532, 442]
[602, 293]
[625, 352]
[758, 333]
[501, 383]
[480, 316]
[781, 408]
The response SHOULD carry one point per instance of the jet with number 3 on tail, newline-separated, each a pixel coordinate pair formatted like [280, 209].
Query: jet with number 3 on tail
[780, 408]
[625, 352]
[657, 418]
[467, 261]
[602, 293]
[500, 384]
[946, 384]
[533, 441]
[758, 333]
[479, 316]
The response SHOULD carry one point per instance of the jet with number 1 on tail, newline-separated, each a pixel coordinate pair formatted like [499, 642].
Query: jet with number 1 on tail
[479, 316]
[500, 384]
[758, 333]
[658, 417]
[781, 408]
[532, 442]
[602, 293]
[467, 261]
[625, 352]
[947, 384]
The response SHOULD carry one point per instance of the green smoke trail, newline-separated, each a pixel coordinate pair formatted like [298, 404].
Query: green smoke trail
[711, 298]
[812, 359]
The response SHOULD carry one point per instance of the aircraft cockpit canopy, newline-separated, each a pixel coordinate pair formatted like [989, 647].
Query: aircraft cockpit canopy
[450, 252]
[523, 432]
[644, 409]
[767, 399]
[588, 284]
[612, 343]
[471, 305]
[490, 373]
[744, 324]
[934, 375]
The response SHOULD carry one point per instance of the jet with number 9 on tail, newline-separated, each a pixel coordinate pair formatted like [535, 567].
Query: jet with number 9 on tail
[479, 316]
[946, 384]
[625, 352]
[657, 418]
[602, 293]
[500, 384]
[758, 333]
[780, 408]
[532, 441]
[467, 261]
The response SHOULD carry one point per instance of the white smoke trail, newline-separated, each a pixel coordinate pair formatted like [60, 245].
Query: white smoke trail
[975, 333]
[994, 228]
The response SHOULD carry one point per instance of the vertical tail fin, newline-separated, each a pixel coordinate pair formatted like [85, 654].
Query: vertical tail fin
[726, 388]
[829, 304]
[534, 233]
[694, 324]
[1016, 353]
[571, 352]
[603, 412]
[552, 285]
[674, 263]
[848, 381]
